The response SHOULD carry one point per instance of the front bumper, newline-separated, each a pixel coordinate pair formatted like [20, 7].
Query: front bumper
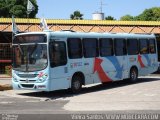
[30, 86]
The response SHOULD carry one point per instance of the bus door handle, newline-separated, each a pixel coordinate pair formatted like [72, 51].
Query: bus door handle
[65, 69]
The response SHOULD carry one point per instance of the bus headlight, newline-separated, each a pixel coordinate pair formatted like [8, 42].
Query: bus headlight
[14, 79]
[41, 80]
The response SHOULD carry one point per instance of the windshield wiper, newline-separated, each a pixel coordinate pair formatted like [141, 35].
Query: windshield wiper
[27, 61]
[35, 46]
[29, 54]
[20, 49]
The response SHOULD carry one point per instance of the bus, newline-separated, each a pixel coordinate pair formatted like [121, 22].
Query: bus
[54, 60]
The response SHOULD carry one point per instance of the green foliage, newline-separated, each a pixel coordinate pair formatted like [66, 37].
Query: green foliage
[18, 8]
[8, 70]
[76, 15]
[127, 18]
[147, 15]
[109, 18]
[152, 14]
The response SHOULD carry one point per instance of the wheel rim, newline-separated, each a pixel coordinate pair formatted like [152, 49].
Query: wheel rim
[133, 75]
[76, 84]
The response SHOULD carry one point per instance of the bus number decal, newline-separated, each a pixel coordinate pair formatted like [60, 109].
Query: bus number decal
[77, 64]
[132, 59]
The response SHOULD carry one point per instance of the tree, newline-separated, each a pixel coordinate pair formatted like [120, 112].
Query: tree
[152, 14]
[127, 18]
[147, 15]
[109, 18]
[18, 8]
[76, 15]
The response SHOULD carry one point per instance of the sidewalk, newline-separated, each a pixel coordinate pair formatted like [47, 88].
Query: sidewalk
[5, 84]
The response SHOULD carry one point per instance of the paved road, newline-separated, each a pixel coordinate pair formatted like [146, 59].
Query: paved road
[118, 96]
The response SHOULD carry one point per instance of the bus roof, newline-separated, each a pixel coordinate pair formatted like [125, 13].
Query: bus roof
[68, 33]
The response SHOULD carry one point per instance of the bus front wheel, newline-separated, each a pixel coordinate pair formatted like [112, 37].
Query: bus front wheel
[76, 85]
[133, 75]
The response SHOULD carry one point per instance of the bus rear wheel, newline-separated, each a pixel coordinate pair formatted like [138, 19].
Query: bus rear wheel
[133, 75]
[76, 85]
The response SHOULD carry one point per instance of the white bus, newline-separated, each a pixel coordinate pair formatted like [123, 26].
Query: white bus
[48, 61]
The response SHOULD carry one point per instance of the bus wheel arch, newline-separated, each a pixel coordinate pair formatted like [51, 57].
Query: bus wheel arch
[133, 74]
[78, 80]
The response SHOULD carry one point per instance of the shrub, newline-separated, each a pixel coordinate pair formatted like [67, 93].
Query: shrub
[8, 70]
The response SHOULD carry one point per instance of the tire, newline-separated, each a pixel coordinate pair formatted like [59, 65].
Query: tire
[76, 85]
[133, 75]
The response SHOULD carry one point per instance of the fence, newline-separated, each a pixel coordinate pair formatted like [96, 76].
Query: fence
[5, 58]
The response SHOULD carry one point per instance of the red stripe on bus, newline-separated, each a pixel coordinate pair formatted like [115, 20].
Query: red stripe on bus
[101, 73]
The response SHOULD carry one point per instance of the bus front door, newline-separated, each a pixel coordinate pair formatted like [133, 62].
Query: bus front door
[59, 65]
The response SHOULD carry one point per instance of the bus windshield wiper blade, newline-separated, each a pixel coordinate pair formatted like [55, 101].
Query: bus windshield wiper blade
[27, 60]
[35, 46]
[20, 49]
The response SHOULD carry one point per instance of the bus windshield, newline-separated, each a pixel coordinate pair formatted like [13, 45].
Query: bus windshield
[29, 57]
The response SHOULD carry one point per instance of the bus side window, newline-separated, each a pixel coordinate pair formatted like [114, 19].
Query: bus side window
[143, 46]
[58, 55]
[132, 46]
[152, 47]
[106, 47]
[74, 48]
[90, 47]
[120, 46]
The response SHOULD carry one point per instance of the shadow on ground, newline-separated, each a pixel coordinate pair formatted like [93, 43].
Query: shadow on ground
[66, 93]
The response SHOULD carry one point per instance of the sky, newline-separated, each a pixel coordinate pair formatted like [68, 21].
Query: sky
[62, 9]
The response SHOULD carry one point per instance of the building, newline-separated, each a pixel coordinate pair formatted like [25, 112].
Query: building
[24, 25]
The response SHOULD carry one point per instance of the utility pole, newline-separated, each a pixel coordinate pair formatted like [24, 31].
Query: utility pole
[101, 6]
[28, 12]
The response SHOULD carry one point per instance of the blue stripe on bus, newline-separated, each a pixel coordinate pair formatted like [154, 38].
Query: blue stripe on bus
[147, 58]
[116, 64]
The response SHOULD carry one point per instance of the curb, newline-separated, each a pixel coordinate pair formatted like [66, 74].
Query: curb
[5, 87]
[158, 75]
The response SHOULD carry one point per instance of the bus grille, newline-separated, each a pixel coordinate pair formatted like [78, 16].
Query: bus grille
[28, 81]
[27, 75]
[27, 85]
